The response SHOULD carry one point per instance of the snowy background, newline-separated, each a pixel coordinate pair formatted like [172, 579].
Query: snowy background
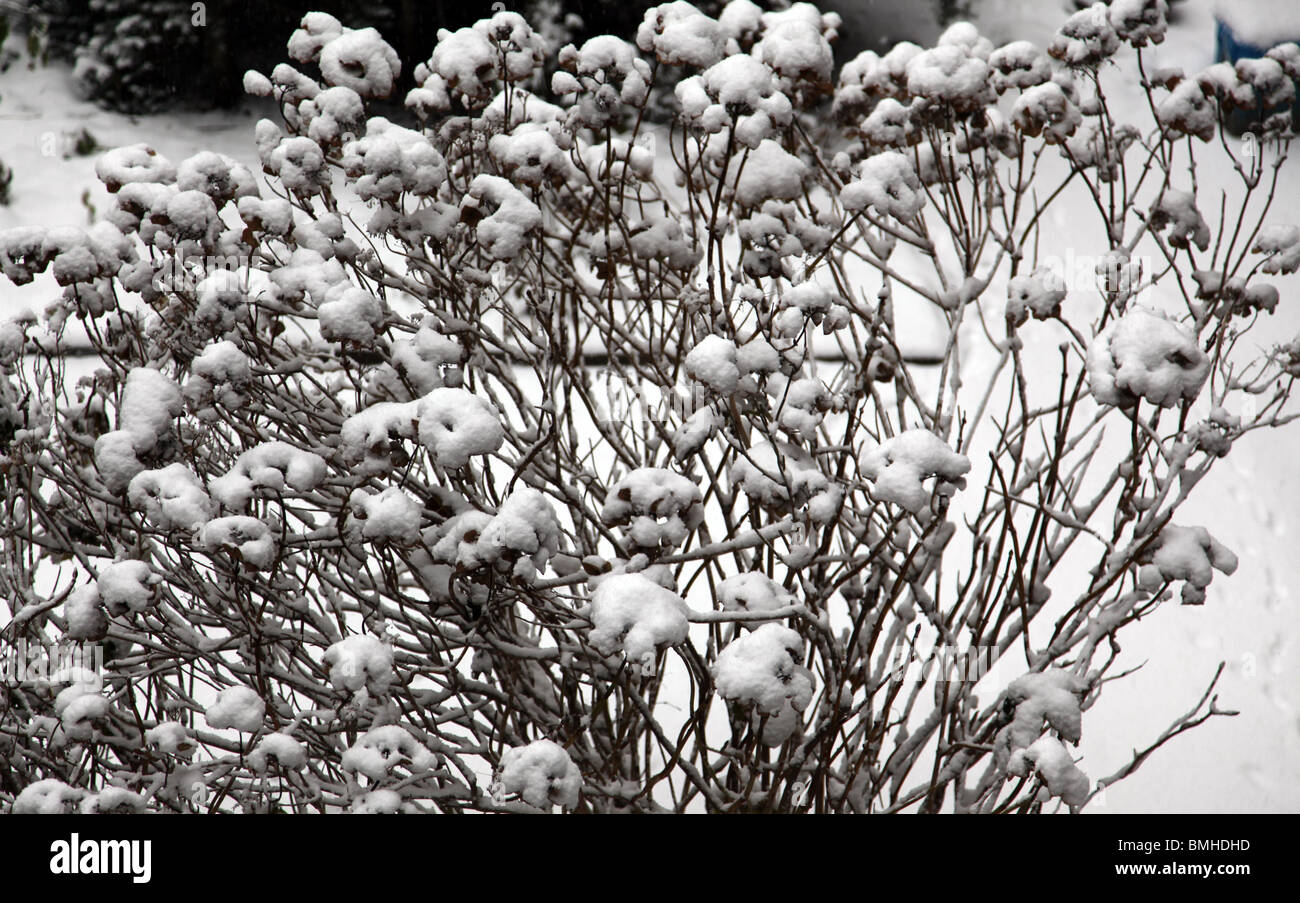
[1252, 502]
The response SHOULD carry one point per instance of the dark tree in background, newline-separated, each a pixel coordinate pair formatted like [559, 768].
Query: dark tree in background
[141, 56]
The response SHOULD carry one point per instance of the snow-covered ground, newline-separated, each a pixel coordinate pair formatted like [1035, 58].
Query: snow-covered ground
[1248, 763]
[40, 117]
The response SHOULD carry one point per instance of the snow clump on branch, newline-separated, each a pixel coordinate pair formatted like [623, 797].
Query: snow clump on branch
[542, 774]
[634, 615]
[900, 465]
[1145, 355]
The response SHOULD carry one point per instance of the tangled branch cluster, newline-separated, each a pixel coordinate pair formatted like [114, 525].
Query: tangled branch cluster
[357, 527]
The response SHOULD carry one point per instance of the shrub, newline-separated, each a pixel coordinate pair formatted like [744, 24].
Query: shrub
[527, 457]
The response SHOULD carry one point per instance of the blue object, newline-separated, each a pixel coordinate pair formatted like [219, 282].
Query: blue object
[1229, 48]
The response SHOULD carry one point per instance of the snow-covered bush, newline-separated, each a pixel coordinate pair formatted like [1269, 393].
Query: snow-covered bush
[130, 52]
[360, 501]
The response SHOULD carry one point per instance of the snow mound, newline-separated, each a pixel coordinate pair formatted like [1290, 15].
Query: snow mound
[1190, 554]
[369, 438]
[752, 591]
[694, 432]
[1086, 39]
[796, 43]
[762, 668]
[1039, 293]
[633, 614]
[360, 661]
[1145, 355]
[458, 539]
[658, 507]
[280, 748]
[605, 70]
[381, 749]
[361, 60]
[387, 516]
[81, 711]
[1046, 110]
[350, 314]
[1189, 110]
[1177, 211]
[378, 802]
[712, 362]
[128, 586]
[541, 774]
[48, 796]
[85, 616]
[391, 160]
[778, 476]
[170, 737]
[299, 163]
[172, 498]
[740, 91]
[502, 232]
[950, 75]
[113, 801]
[1139, 21]
[133, 163]
[899, 466]
[269, 466]
[456, 424]
[468, 65]
[741, 21]
[237, 707]
[888, 183]
[889, 125]
[1020, 64]
[1052, 696]
[218, 374]
[523, 536]
[770, 173]
[249, 540]
[420, 361]
[807, 301]
[1281, 242]
[314, 31]
[218, 176]
[801, 404]
[1052, 762]
[150, 402]
[680, 35]
[529, 155]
